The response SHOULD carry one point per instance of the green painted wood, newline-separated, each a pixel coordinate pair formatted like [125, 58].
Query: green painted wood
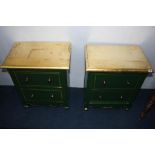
[112, 89]
[39, 78]
[43, 96]
[108, 105]
[118, 95]
[115, 80]
[38, 90]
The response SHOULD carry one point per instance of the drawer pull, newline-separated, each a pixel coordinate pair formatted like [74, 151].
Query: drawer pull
[104, 82]
[51, 96]
[49, 80]
[128, 83]
[100, 97]
[32, 95]
[26, 79]
[121, 97]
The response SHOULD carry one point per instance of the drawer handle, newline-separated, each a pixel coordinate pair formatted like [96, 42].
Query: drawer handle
[121, 97]
[26, 79]
[100, 97]
[32, 95]
[104, 82]
[51, 96]
[49, 80]
[127, 82]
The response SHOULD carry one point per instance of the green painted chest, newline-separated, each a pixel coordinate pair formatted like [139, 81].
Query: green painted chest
[41, 87]
[40, 72]
[114, 75]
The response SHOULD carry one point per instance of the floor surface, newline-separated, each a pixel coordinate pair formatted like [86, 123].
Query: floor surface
[14, 116]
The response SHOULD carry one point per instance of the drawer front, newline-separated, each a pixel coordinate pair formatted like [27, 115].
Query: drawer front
[115, 80]
[26, 78]
[114, 96]
[42, 96]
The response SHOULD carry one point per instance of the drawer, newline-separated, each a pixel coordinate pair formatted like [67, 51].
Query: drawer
[35, 78]
[115, 80]
[43, 96]
[116, 96]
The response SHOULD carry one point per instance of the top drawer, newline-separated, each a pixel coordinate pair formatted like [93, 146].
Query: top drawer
[27, 78]
[115, 80]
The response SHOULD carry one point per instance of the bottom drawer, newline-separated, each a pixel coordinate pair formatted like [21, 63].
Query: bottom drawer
[112, 96]
[43, 96]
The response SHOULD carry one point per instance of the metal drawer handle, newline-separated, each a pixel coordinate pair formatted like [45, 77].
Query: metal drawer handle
[32, 95]
[100, 97]
[121, 97]
[49, 80]
[51, 96]
[128, 83]
[26, 79]
[104, 82]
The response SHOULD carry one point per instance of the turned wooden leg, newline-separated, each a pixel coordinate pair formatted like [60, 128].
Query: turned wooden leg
[148, 107]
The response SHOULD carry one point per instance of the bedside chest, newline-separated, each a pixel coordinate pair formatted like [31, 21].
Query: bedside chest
[114, 75]
[40, 72]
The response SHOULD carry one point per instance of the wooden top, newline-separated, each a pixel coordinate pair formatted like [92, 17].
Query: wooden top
[39, 55]
[117, 58]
